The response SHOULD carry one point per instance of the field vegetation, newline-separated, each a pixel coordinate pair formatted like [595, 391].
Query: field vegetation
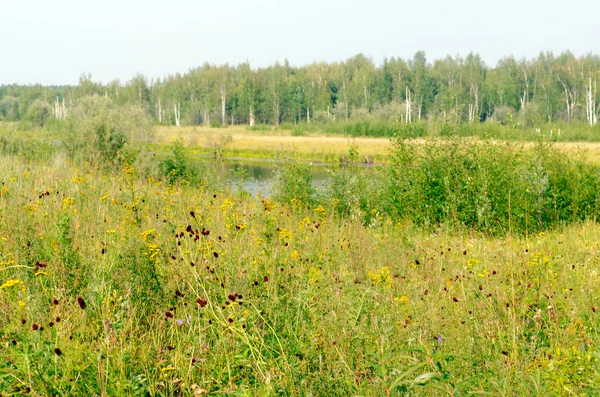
[461, 267]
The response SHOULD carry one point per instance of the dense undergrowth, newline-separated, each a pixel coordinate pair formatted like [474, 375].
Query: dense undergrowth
[369, 127]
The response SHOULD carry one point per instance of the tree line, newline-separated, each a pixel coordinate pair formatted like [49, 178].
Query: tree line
[453, 89]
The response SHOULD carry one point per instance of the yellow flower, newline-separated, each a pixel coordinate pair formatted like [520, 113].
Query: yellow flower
[402, 299]
[314, 275]
[294, 255]
[284, 233]
[146, 234]
[68, 201]
[10, 283]
[383, 277]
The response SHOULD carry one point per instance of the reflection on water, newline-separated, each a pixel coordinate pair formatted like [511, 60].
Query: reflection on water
[256, 176]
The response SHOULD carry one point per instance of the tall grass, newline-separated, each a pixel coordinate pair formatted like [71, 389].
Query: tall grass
[122, 285]
[118, 281]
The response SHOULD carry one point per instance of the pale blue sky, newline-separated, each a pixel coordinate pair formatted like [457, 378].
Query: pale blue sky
[55, 41]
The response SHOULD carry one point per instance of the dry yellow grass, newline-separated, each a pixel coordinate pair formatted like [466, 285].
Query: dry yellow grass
[239, 138]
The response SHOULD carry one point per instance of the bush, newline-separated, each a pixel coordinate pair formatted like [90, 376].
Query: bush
[354, 192]
[177, 167]
[293, 184]
[9, 109]
[38, 112]
[100, 132]
[490, 187]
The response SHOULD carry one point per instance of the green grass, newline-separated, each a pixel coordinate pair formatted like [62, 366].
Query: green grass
[279, 300]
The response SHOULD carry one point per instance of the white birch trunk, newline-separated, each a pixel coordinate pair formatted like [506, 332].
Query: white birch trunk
[223, 119]
[590, 100]
[177, 111]
[251, 117]
[408, 115]
[159, 111]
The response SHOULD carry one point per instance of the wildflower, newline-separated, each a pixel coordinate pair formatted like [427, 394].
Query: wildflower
[147, 234]
[68, 201]
[201, 302]
[284, 233]
[10, 283]
[57, 351]
[314, 275]
[383, 277]
[81, 303]
[402, 299]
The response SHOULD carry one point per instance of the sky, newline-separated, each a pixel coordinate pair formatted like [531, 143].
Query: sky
[54, 42]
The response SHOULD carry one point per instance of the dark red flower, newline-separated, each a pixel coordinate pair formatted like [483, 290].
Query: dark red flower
[169, 314]
[57, 351]
[81, 303]
[201, 302]
[34, 327]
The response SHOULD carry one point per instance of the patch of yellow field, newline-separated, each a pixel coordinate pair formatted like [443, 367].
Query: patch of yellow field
[240, 139]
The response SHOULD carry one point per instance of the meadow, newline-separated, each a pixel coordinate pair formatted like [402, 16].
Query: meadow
[124, 275]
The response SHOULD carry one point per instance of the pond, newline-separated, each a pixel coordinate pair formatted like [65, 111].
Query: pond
[256, 175]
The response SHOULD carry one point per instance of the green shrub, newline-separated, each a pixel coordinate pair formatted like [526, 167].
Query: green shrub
[97, 131]
[39, 112]
[490, 187]
[177, 167]
[293, 183]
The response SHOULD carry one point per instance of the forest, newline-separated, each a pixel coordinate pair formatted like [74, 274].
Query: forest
[454, 90]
